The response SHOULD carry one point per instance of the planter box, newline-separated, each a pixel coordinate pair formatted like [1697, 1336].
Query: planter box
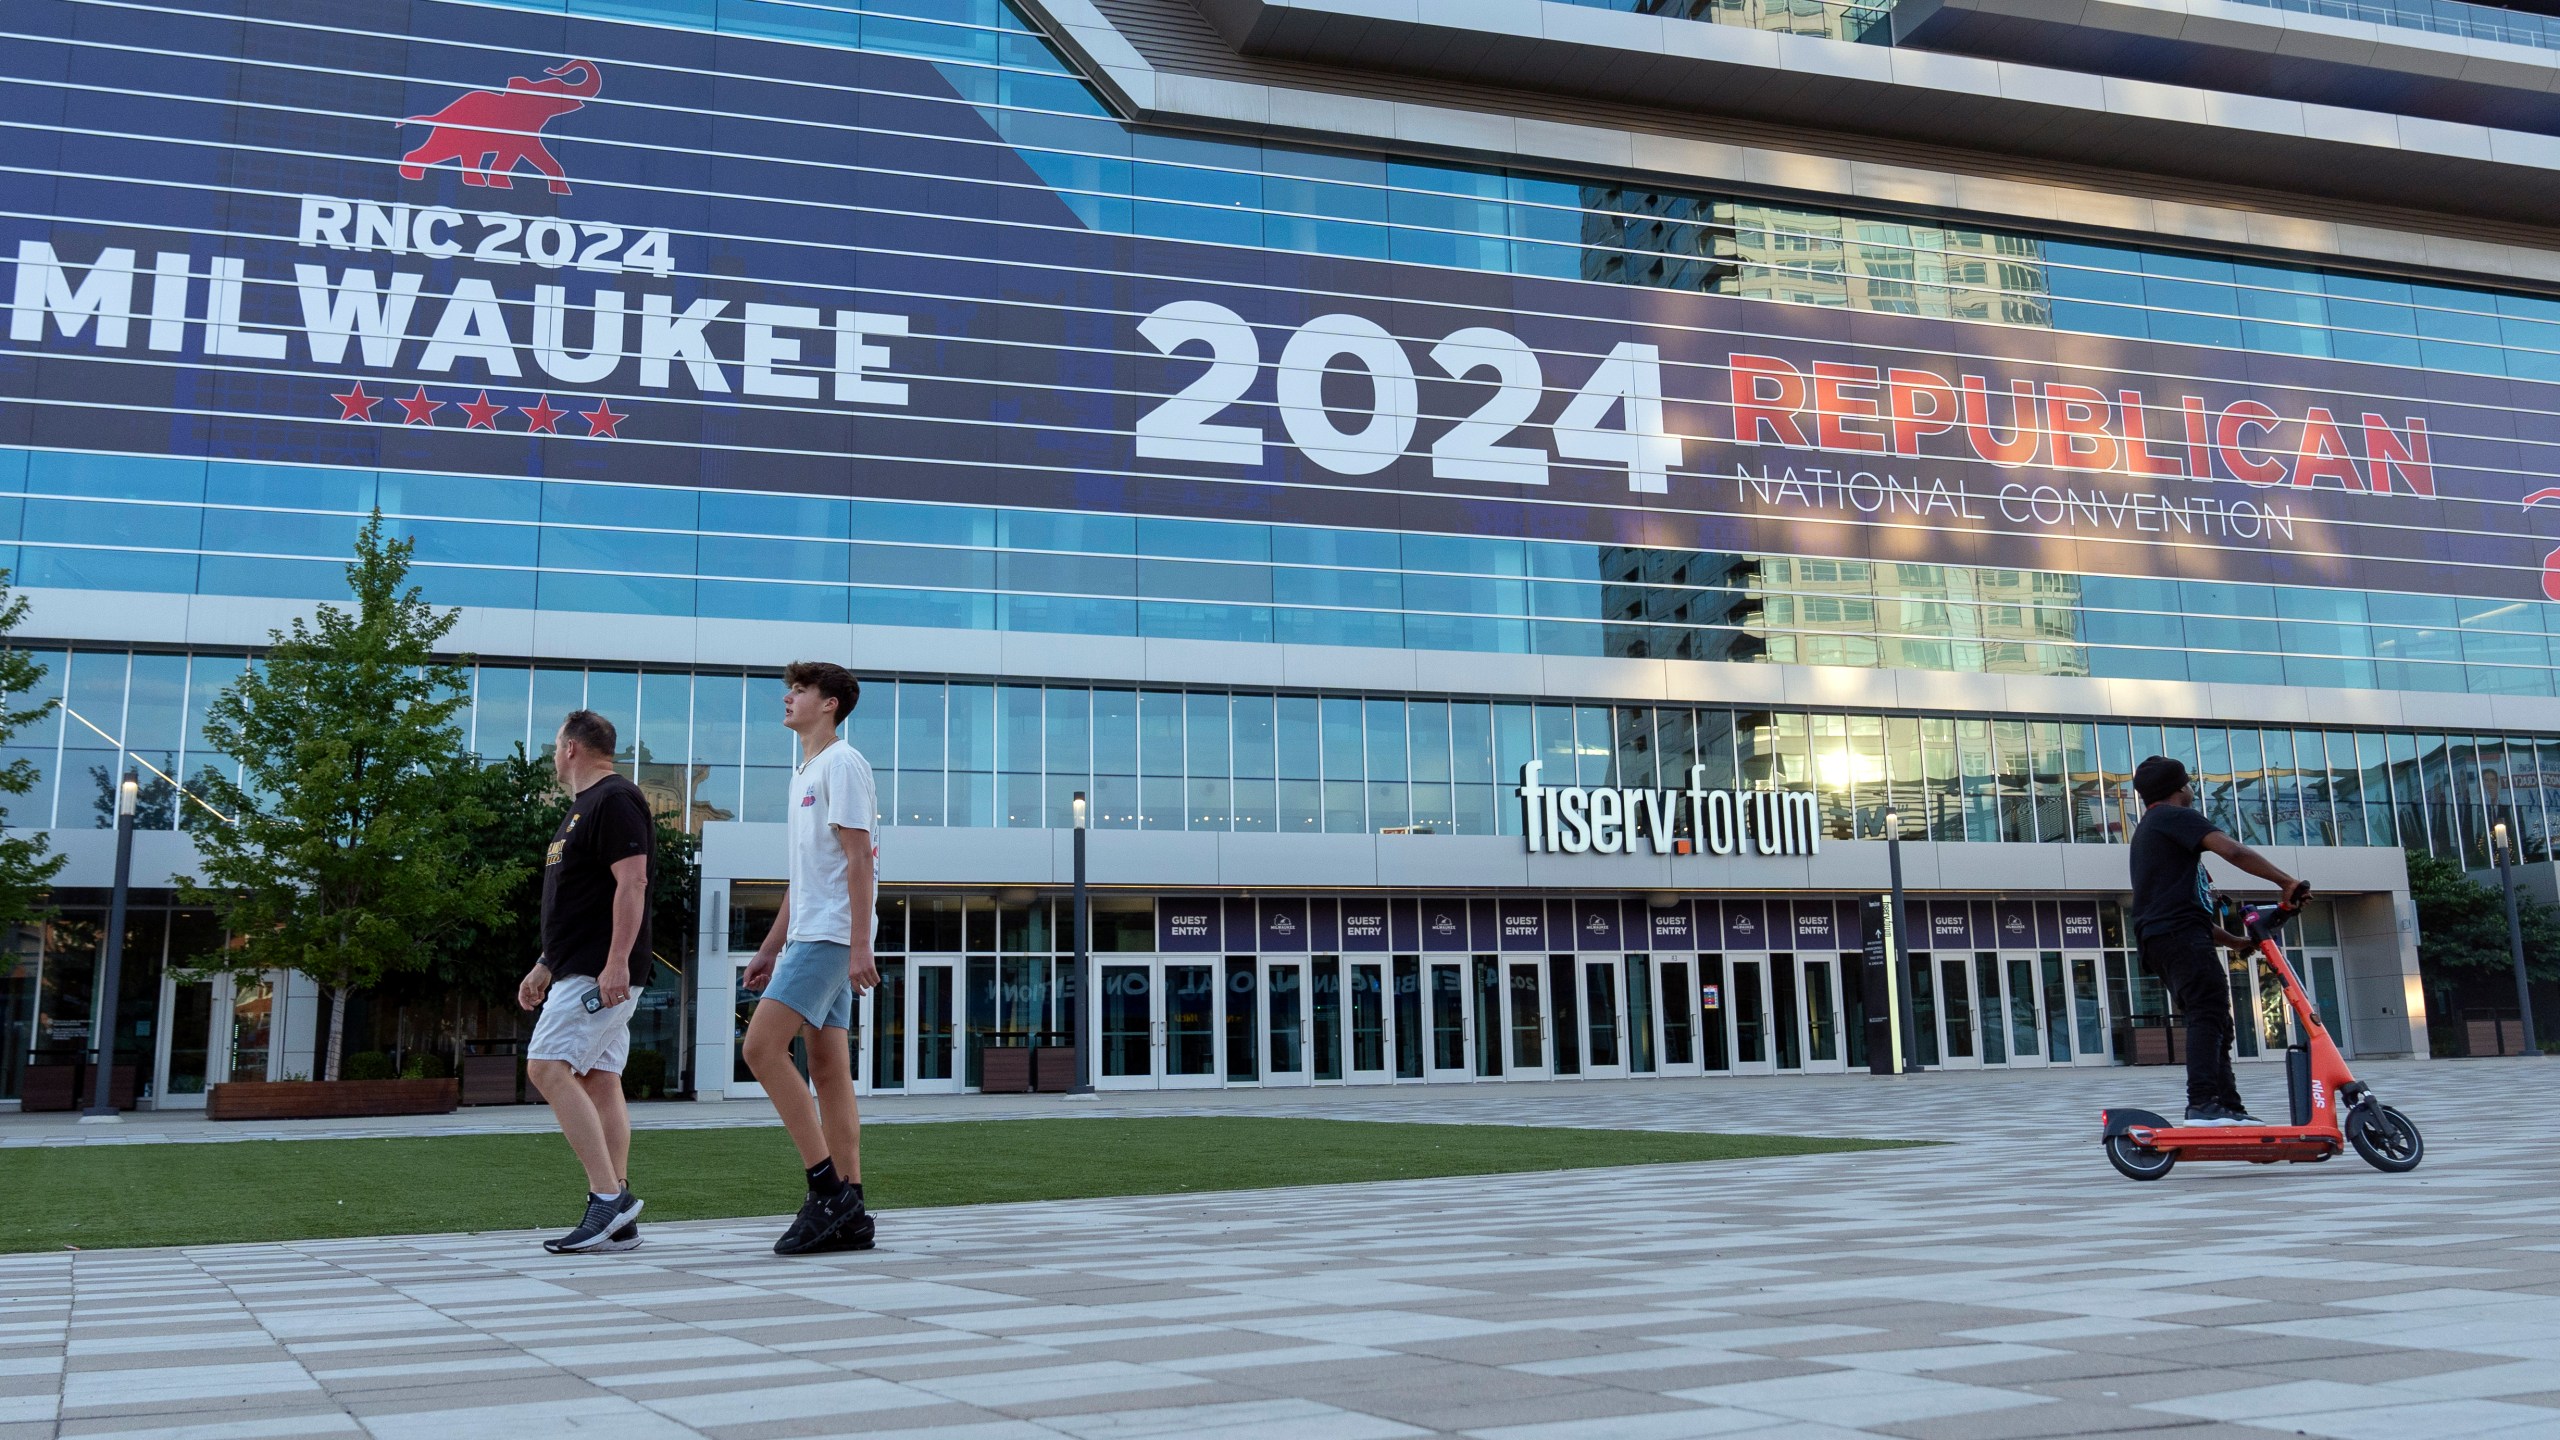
[2140, 1045]
[1004, 1070]
[490, 1080]
[67, 1087]
[320, 1099]
[2493, 1037]
[1053, 1068]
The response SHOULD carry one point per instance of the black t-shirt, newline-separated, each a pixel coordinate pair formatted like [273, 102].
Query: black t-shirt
[2168, 870]
[608, 821]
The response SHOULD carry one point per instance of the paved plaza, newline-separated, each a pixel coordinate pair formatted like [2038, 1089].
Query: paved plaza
[2008, 1284]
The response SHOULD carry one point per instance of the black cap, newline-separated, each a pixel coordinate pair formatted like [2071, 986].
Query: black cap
[2158, 778]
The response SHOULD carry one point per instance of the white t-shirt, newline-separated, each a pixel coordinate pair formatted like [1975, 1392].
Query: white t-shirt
[830, 792]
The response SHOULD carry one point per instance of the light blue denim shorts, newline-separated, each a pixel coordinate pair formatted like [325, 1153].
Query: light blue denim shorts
[814, 978]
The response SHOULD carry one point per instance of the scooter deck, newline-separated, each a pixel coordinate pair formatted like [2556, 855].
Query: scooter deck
[2262, 1143]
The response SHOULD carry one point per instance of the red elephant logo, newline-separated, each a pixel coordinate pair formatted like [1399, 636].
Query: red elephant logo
[2550, 562]
[490, 131]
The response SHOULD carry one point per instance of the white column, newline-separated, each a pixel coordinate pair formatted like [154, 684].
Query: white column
[296, 1049]
[715, 996]
[2378, 953]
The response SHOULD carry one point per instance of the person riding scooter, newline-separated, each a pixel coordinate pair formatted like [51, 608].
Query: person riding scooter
[2174, 923]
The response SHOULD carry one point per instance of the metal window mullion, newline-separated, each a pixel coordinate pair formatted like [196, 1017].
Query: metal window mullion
[178, 752]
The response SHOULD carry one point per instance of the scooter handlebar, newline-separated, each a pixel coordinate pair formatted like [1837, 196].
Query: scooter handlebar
[2264, 921]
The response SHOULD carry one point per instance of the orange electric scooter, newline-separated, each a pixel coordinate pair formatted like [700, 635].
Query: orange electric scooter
[2332, 1109]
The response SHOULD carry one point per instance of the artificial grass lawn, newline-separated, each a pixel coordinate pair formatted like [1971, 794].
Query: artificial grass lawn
[97, 1197]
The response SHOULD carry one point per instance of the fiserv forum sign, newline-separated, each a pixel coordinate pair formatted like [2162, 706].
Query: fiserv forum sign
[1623, 820]
[498, 242]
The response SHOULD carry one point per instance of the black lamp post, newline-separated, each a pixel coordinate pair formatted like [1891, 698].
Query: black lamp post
[102, 1110]
[1084, 1006]
[1899, 953]
[2503, 843]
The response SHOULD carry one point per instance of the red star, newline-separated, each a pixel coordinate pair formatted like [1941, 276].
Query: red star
[601, 420]
[540, 418]
[355, 404]
[421, 410]
[484, 414]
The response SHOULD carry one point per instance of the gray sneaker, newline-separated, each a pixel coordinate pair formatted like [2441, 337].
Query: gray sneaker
[605, 1215]
[2199, 1116]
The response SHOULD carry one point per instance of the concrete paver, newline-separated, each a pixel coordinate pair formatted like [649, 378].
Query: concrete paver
[2006, 1284]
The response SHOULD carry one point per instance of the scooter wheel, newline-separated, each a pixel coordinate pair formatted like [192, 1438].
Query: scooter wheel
[2387, 1139]
[2135, 1161]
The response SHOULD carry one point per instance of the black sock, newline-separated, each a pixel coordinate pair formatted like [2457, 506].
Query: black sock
[822, 1177]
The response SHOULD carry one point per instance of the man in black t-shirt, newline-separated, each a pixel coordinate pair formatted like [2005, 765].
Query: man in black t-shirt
[595, 959]
[2173, 922]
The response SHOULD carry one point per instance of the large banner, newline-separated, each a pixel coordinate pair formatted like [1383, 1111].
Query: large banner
[457, 238]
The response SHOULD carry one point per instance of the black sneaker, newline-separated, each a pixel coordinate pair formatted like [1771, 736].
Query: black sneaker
[605, 1215]
[854, 1234]
[818, 1222]
[626, 1238]
[2215, 1114]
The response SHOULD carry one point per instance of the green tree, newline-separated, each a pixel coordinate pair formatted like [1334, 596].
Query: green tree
[27, 864]
[2462, 924]
[350, 854]
[675, 891]
[521, 803]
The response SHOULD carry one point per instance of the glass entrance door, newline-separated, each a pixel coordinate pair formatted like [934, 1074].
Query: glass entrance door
[1525, 1020]
[1158, 1025]
[1955, 1014]
[2025, 1011]
[1186, 1024]
[191, 1055]
[1818, 1014]
[1786, 1013]
[2088, 1011]
[1715, 1028]
[1125, 1057]
[1678, 1011]
[1445, 999]
[933, 1028]
[1747, 1016]
[2008, 1008]
[1366, 1005]
[1284, 1003]
[1604, 1017]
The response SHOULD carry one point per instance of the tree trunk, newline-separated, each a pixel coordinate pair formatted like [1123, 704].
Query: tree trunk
[337, 1030]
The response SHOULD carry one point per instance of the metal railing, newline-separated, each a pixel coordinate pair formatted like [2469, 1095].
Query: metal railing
[1859, 24]
[2443, 17]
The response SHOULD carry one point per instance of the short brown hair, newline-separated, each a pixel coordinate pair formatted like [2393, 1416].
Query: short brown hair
[830, 680]
[591, 730]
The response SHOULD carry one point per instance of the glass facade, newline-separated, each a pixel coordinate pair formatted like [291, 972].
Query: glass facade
[1125, 179]
[224, 528]
[85, 521]
[961, 752]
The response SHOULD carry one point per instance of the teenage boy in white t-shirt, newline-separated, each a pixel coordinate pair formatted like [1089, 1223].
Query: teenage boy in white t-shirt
[817, 958]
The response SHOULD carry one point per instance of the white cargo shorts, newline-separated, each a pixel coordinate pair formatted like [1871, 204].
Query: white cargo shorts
[565, 1030]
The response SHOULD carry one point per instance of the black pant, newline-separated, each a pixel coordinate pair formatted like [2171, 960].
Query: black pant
[2192, 967]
